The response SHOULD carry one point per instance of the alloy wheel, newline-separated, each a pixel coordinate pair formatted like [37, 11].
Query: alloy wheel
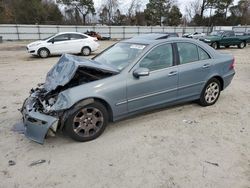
[212, 92]
[88, 122]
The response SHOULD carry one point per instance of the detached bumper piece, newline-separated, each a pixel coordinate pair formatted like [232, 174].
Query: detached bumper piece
[36, 124]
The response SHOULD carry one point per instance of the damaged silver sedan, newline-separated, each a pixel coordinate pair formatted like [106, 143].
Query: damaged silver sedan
[81, 96]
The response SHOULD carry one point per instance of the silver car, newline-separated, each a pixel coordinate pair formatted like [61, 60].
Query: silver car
[81, 96]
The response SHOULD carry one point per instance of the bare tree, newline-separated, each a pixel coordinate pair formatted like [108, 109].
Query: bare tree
[192, 9]
[112, 6]
[134, 7]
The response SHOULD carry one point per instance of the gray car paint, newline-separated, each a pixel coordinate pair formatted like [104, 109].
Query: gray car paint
[126, 95]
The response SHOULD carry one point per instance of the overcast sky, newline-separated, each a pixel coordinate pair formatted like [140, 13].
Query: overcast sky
[180, 3]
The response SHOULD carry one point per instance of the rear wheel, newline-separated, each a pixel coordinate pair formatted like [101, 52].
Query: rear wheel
[242, 45]
[87, 122]
[215, 45]
[210, 93]
[86, 51]
[43, 52]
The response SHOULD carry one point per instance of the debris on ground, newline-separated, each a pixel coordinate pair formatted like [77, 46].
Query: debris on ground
[242, 130]
[12, 163]
[18, 127]
[189, 121]
[215, 164]
[4, 107]
[110, 164]
[37, 162]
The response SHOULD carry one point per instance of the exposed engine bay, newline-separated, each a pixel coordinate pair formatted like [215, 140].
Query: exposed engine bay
[70, 71]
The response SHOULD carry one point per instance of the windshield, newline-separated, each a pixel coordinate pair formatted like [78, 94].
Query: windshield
[216, 33]
[120, 55]
[48, 37]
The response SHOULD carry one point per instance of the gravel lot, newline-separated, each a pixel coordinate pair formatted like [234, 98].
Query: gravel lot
[180, 146]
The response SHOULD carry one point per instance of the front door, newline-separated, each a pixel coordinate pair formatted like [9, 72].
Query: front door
[59, 44]
[160, 86]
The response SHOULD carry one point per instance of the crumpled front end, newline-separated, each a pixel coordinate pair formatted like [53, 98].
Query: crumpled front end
[37, 123]
[46, 104]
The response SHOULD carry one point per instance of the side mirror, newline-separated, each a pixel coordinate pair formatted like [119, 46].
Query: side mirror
[52, 41]
[141, 72]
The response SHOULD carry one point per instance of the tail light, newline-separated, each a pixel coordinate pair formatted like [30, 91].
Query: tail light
[232, 65]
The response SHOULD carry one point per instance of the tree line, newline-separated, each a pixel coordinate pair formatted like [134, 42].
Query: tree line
[156, 12]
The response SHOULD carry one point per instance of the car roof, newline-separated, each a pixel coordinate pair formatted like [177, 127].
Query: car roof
[150, 42]
[155, 39]
[69, 33]
[153, 36]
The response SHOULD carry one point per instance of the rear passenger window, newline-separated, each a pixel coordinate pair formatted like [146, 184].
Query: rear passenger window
[203, 54]
[76, 37]
[188, 52]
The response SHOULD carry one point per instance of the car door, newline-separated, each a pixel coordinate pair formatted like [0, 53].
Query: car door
[194, 69]
[229, 38]
[59, 44]
[160, 86]
[76, 42]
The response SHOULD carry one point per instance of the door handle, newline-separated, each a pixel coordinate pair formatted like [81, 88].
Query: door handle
[206, 66]
[173, 73]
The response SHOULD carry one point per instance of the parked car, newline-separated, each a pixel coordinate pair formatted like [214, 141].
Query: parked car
[81, 96]
[96, 35]
[66, 42]
[185, 35]
[195, 35]
[216, 39]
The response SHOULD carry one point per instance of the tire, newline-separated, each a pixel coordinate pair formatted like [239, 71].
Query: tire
[210, 93]
[43, 52]
[227, 46]
[86, 51]
[86, 123]
[242, 45]
[215, 45]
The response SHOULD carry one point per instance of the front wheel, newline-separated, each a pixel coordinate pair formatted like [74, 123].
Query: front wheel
[215, 45]
[87, 122]
[43, 52]
[210, 93]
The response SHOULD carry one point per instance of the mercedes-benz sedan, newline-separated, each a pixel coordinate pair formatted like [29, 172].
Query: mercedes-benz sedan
[81, 96]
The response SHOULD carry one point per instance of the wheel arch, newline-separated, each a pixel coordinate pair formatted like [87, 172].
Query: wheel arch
[220, 79]
[84, 102]
[43, 48]
[86, 47]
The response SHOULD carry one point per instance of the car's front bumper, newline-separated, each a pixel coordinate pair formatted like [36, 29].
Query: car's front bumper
[31, 51]
[37, 124]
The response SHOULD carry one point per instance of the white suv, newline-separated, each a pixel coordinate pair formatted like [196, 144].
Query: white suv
[66, 42]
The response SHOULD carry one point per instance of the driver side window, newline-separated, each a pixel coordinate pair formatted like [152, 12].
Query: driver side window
[62, 37]
[159, 58]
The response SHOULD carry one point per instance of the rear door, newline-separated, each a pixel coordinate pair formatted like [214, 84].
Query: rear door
[194, 69]
[76, 42]
[160, 86]
[229, 38]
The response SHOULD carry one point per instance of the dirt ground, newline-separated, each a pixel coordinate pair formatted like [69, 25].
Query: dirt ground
[177, 147]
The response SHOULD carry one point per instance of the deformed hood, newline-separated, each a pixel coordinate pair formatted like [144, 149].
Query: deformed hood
[66, 68]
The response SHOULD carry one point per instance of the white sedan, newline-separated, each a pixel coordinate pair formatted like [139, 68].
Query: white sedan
[66, 42]
[197, 35]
